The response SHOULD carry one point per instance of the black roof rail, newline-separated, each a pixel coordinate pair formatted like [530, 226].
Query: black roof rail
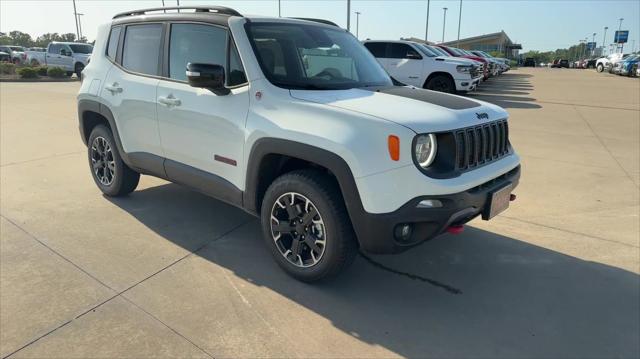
[213, 9]
[322, 21]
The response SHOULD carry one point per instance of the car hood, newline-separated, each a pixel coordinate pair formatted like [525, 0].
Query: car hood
[417, 109]
[457, 60]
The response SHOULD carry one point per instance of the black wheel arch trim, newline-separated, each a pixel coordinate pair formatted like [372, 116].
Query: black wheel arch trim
[87, 105]
[321, 157]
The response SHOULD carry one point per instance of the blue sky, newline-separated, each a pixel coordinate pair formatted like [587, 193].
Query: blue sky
[536, 24]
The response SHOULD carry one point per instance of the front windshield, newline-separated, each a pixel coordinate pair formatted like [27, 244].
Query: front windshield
[455, 51]
[427, 51]
[81, 48]
[315, 57]
[439, 51]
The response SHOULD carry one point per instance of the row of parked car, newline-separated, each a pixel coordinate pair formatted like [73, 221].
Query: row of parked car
[619, 64]
[436, 67]
[70, 56]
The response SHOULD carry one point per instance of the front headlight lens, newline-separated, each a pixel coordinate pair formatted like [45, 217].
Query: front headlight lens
[425, 149]
[463, 68]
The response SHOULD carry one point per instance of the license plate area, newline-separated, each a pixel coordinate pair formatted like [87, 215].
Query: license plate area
[498, 202]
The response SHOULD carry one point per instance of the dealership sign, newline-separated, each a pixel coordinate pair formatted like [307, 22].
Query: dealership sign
[621, 37]
[591, 45]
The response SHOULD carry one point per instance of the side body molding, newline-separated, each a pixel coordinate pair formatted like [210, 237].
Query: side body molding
[157, 166]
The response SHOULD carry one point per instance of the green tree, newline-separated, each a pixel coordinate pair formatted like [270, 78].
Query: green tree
[20, 38]
[45, 39]
[70, 37]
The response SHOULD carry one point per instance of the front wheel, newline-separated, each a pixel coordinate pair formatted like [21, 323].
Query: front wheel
[600, 68]
[306, 226]
[441, 83]
[78, 69]
[112, 176]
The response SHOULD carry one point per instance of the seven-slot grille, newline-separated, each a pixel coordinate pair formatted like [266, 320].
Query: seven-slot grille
[478, 145]
[474, 71]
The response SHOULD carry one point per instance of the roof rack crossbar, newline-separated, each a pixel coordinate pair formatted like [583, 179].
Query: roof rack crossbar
[214, 9]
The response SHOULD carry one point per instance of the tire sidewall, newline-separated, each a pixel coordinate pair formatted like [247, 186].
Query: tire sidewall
[78, 69]
[600, 68]
[451, 87]
[116, 184]
[289, 184]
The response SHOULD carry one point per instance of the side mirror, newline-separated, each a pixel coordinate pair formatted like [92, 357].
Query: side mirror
[413, 55]
[207, 76]
[64, 52]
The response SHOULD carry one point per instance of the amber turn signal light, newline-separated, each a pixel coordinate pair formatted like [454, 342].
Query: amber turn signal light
[394, 147]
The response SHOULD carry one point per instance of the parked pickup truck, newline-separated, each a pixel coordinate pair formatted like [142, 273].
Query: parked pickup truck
[415, 64]
[71, 56]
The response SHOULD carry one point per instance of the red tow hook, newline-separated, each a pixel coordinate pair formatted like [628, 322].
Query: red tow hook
[455, 229]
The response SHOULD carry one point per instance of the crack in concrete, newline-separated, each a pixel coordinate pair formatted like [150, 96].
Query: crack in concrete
[433, 282]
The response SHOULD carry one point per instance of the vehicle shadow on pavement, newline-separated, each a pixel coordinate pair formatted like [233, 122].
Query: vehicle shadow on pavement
[514, 299]
[509, 90]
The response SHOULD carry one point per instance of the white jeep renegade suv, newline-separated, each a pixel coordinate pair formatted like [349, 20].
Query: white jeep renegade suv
[294, 121]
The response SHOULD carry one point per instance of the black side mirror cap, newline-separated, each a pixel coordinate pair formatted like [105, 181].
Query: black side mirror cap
[208, 76]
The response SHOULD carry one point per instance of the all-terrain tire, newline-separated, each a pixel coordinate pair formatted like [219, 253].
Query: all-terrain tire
[322, 191]
[441, 83]
[120, 179]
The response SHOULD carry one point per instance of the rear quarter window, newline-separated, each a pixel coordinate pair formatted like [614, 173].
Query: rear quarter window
[112, 45]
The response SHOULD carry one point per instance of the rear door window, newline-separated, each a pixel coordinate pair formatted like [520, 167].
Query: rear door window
[141, 51]
[378, 49]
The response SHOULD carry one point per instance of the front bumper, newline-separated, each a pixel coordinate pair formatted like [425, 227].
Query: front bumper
[467, 85]
[376, 231]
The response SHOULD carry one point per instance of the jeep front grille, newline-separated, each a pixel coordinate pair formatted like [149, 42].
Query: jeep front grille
[479, 145]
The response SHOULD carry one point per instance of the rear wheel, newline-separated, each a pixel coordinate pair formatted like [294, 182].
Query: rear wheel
[306, 226]
[441, 83]
[109, 172]
[35, 62]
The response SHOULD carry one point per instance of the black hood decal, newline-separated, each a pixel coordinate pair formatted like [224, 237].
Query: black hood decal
[433, 97]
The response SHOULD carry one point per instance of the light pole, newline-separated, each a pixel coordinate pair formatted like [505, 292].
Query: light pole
[80, 25]
[426, 30]
[279, 9]
[459, 21]
[444, 22]
[604, 39]
[593, 40]
[75, 16]
[348, 15]
[358, 24]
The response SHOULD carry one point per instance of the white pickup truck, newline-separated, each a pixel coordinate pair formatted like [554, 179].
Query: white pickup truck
[71, 56]
[414, 64]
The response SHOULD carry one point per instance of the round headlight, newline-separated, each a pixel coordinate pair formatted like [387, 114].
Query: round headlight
[425, 149]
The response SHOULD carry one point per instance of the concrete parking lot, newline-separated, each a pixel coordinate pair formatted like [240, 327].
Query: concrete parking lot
[167, 272]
